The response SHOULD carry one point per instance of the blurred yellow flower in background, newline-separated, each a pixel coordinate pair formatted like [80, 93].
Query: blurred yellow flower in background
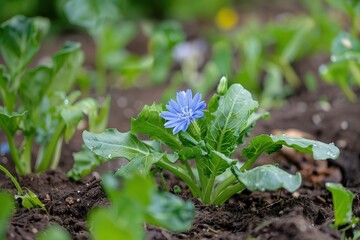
[226, 18]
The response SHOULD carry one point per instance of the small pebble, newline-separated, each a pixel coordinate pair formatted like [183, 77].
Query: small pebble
[122, 102]
[69, 200]
[34, 230]
[341, 143]
[316, 119]
[344, 125]
[295, 194]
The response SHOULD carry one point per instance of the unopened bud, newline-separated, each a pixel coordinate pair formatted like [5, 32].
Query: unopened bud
[223, 86]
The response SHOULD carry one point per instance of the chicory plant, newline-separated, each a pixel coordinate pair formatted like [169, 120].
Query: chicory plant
[38, 102]
[197, 144]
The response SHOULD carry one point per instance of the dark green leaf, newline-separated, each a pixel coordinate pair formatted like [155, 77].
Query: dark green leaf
[267, 177]
[6, 210]
[234, 110]
[270, 144]
[343, 200]
[84, 162]
[114, 144]
[171, 212]
[150, 122]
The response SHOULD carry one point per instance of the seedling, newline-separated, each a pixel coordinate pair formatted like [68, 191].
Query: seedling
[344, 219]
[6, 210]
[27, 199]
[39, 106]
[197, 144]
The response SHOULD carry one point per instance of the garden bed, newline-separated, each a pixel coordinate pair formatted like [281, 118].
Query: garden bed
[304, 214]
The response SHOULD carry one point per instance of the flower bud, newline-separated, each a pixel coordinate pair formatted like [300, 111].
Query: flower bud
[223, 86]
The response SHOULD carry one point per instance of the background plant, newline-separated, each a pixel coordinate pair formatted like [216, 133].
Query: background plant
[345, 222]
[208, 144]
[343, 69]
[39, 102]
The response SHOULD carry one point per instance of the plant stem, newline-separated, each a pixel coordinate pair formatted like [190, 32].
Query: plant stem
[188, 168]
[25, 157]
[15, 155]
[47, 150]
[56, 155]
[228, 192]
[355, 72]
[208, 190]
[13, 179]
[181, 174]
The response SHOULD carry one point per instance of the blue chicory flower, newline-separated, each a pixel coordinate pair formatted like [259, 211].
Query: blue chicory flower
[182, 112]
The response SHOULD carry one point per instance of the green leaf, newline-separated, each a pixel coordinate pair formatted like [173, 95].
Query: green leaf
[31, 200]
[6, 210]
[345, 48]
[139, 165]
[84, 162]
[104, 224]
[65, 65]
[234, 110]
[54, 232]
[34, 85]
[217, 163]
[91, 14]
[10, 122]
[343, 200]
[270, 144]
[247, 129]
[150, 122]
[171, 212]
[114, 144]
[267, 177]
[20, 39]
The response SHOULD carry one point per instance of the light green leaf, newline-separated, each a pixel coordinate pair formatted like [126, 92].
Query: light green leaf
[139, 165]
[114, 144]
[91, 14]
[6, 210]
[104, 224]
[54, 232]
[343, 200]
[171, 212]
[217, 164]
[65, 65]
[270, 144]
[84, 162]
[345, 48]
[151, 123]
[267, 177]
[234, 110]
[20, 39]
[31, 200]
[10, 122]
[251, 121]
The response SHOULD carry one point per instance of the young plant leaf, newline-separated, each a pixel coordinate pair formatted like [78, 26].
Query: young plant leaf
[20, 39]
[84, 162]
[231, 116]
[54, 232]
[139, 165]
[65, 65]
[171, 212]
[343, 200]
[345, 48]
[270, 144]
[6, 210]
[31, 200]
[114, 144]
[267, 177]
[9, 122]
[150, 122]
[217, 164]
